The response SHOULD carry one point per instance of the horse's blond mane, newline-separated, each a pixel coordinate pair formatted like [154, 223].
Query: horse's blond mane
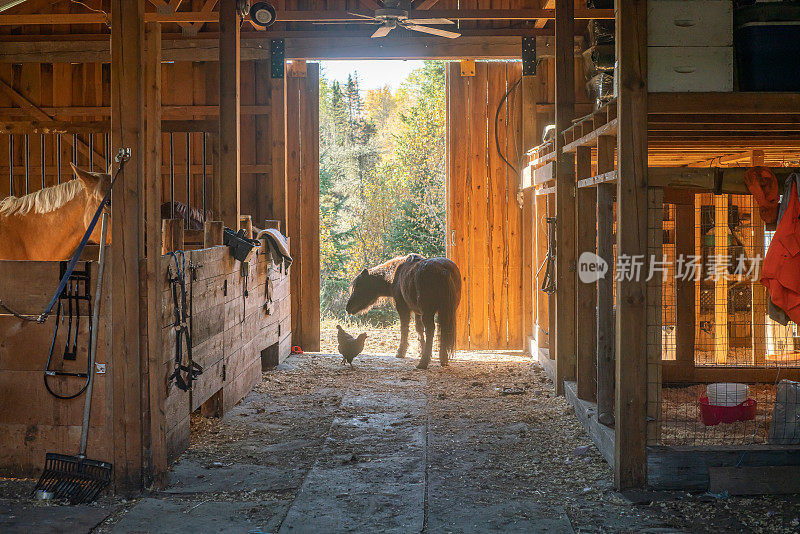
[42, 201]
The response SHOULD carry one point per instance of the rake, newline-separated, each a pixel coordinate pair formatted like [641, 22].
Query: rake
[77, 478]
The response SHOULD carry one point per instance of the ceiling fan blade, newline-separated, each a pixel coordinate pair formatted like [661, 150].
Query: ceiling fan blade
[360, 15]
[430, 21]
[322, 23]
[432, 31]
[383, 31]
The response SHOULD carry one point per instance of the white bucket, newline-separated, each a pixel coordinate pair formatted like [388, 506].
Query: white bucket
[727, 393]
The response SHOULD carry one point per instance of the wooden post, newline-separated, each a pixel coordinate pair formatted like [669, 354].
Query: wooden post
[586, 317]
[685, 286]
[229, 120]
[212, 234]
[212, 237]
[277, 120]
[605, 286]
[721, 281]
[759, 307]
[172, 235]
[127, 130]
[529, 140]
[309, 227]
[565, 312]
[630, 437]
[246, 222]
[158, 393]
[272, 223]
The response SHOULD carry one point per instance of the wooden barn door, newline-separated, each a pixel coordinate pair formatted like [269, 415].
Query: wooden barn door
[483, 217]
[302, 194]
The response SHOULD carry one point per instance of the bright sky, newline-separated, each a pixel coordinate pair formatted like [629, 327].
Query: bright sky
[372, 74]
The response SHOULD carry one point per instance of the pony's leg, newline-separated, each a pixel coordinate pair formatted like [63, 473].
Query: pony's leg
[430, 330]
[405, 320]
[443, 356]
[420, 332]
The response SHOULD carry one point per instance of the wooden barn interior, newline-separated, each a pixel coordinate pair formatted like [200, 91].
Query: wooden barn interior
[644, 160]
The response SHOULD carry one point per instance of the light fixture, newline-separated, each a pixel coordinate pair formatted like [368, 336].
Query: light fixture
[262, 14]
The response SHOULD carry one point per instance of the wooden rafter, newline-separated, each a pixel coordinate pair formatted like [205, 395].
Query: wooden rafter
[172, 7]
[425, 4]
[544, 4]
[305, 16]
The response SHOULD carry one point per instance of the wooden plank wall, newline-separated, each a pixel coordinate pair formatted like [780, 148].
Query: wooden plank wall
[485, 220]
[230, 328]
[80, 93]
[302, 176]
[33, 422]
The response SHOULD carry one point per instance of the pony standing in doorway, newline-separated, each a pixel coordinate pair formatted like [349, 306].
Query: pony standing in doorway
[48, 225]
[425, 287]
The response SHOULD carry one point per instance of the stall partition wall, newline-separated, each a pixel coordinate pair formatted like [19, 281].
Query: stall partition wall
[485, 221]
[79, 95]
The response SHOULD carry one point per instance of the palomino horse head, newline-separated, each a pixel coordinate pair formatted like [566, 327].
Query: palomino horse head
[95, 185]
[365, 291]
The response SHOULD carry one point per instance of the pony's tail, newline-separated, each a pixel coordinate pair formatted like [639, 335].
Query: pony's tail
[447, 314]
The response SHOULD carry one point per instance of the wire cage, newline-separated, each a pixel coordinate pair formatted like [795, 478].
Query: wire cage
[709, 324]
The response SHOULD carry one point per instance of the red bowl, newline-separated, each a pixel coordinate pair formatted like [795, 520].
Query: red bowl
[713, 415]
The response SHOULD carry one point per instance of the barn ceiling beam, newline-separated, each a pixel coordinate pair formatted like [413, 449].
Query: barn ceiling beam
[315, 45]
[303, 16]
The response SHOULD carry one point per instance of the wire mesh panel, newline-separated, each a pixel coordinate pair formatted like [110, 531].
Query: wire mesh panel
[714, 322]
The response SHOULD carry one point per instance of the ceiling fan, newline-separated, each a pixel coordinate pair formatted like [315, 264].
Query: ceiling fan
[393, 16]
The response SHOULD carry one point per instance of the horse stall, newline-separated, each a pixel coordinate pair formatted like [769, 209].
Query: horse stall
[175, 196]
[239, 319]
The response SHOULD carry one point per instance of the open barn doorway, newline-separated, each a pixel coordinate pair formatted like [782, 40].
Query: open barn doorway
[382, 180]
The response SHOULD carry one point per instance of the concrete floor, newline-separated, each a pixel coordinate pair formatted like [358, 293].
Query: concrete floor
[320, 447]
[367, 451]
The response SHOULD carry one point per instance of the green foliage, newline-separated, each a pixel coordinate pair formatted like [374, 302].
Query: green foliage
[382, 179]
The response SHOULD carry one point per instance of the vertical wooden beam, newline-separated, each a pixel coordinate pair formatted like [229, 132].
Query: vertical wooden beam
[229, 119]
[127, 130]
[565, 299]
[171, 235]
[277, 120]
[605, 286]
[212, 234]
[158, 393]
[586, 317]
[759, 307]
[685, 287]
[212, 237]
[721, 282]
[528, 268]
[309, 226]
[630, 437]
[529, 140]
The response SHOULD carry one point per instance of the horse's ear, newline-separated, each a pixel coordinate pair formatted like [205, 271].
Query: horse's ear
[90, 180]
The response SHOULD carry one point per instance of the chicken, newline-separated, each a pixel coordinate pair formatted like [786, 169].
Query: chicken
[349, 346]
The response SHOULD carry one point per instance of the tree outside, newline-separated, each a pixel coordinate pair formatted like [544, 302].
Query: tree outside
[382, 179]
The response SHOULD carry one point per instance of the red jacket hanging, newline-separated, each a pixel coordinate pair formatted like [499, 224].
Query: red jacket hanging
[781, 270]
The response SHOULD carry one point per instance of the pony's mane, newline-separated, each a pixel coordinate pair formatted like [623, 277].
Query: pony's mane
[388, 268]
[42, 201]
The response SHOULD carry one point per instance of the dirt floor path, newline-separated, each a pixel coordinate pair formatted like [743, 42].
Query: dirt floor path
[382, 447]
